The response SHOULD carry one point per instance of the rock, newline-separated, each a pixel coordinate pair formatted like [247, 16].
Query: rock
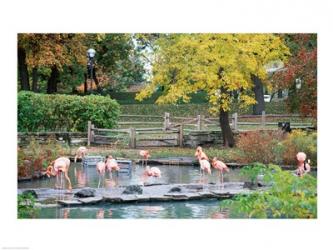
[175, 189]
[148, 184]
[69, 202]
[86, 192]
[30, 192]
[91, 200]
[133, 189]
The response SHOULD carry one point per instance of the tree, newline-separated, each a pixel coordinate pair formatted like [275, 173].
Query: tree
[218, 64]
[23, 69]
[301, 67]
[118, 58]
[51, 51]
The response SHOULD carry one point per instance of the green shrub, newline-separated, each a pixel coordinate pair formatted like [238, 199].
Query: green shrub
[26, 206]
[300, 141]
[288, 196]
[192, 109]
[42, 112]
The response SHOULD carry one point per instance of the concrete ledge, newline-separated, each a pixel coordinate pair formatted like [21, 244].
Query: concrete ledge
[191, 191]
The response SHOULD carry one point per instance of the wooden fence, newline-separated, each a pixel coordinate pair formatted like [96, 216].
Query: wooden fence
[200, 122]
[136, 137]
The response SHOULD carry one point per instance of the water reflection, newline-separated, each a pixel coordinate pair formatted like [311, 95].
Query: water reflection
[169, 210]
[87, 176]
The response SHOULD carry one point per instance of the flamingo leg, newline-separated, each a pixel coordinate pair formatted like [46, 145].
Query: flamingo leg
[99, 181]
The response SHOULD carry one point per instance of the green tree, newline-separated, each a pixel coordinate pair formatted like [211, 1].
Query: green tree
[218, 64]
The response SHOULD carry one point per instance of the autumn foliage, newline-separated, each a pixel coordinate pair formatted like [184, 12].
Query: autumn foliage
[303, 66]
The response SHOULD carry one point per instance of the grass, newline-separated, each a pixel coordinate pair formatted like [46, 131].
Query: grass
[226, 154]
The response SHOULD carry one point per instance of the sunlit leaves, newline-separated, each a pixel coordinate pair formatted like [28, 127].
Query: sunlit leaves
[215, 63]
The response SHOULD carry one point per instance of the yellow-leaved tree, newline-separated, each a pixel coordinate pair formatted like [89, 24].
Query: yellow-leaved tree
[218, 64]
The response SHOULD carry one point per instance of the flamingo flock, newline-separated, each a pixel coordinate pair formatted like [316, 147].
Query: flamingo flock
[60, 166]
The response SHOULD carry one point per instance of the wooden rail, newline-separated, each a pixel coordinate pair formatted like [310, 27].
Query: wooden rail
[201, 122]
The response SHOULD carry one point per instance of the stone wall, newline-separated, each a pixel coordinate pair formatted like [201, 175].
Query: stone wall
[72, 138]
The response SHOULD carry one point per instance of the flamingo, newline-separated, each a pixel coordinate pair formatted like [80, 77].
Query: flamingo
[220, 166]
[100, 167]
[302, 166]
[58, 167]
[205, 166]
[200, 155]
[145, 154]
[111, 164]
[154, 172]
[80, 153]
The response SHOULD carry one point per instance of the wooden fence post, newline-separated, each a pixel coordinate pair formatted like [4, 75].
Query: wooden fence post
[92, 133]
[132, 134]
[235, 121]
[181, 136]
[89, 133]
[199, 122]
[263, 119]
[166, 121]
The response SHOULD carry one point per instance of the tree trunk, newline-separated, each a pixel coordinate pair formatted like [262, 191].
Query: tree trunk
[259, 95]
[280, 93]
[23, 69]
[227, 135]
[34, 79]
[53, 80]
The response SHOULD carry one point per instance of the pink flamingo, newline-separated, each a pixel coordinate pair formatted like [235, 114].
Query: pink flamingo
[145, 154]
[220, 166]
[302, 166]
[153, 172]
[200, 155]
[57, 168]
[205, 166]
[80, 153]
[111, 164]
[100, 167]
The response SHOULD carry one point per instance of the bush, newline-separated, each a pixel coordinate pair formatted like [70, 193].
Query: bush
[26, 206]
[288, 196]
[300, 141]
[36, 157]
[259, 146]
[41, 112]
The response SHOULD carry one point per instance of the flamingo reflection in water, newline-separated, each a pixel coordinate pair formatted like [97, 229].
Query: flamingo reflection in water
[100, 214]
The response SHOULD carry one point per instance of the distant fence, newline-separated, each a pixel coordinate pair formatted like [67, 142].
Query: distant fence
[135, 137]
[200, 122]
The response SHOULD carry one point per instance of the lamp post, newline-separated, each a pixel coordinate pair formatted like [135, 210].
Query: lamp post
[90, 64]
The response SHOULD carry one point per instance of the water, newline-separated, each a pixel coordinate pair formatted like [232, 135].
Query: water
[161, 210]
[87, 177]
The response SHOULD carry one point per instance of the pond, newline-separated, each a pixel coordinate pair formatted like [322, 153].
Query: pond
[168, 210]
[87, 177]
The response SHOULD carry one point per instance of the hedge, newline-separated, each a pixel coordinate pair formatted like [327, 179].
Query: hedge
[42, 112]
[126, 98]
[190, 110]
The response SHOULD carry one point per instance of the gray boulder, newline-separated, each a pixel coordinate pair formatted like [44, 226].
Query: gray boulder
[175, 189]
[86, 192]
[133, 189]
